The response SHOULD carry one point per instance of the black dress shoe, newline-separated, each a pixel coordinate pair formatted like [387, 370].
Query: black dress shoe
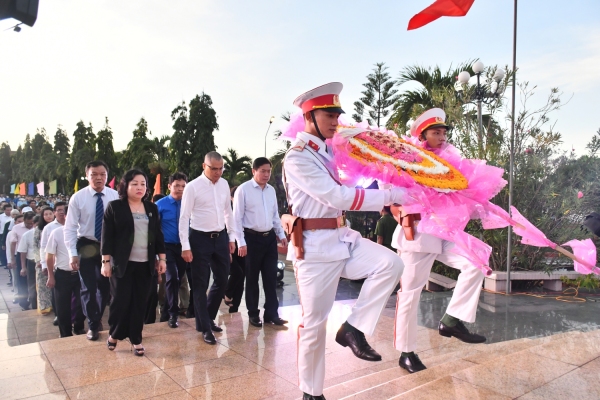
[460, 332]
[412, 363]
[100, 326]
[348, 335]
[79, 331]
[311, 397]
[55, 322]
[173, 322]
[92, 335]
[255, 321]
[189, 313]
[209, 337]
[216, 328]
[276, 321]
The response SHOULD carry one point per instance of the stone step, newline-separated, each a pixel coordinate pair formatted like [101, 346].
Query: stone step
[442, 361]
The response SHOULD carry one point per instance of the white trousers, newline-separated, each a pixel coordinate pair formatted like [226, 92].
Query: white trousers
[317, 285]
[463, 304]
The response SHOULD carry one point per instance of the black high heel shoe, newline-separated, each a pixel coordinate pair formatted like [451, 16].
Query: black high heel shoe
[138, 352]
[111, 345]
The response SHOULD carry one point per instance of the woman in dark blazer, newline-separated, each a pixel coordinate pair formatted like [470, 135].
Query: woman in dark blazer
[132, 237]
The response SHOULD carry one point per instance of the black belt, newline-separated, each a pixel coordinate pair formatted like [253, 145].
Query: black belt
[66, 272]
[212, 235]
[252, 231]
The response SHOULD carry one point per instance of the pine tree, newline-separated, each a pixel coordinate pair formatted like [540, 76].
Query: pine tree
[378, 97]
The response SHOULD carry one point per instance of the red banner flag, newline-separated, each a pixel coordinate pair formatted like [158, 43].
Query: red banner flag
[112, 183]
[441, 8]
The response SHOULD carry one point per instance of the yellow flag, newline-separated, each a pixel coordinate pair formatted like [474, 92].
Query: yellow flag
[17, 189]
[76, 185]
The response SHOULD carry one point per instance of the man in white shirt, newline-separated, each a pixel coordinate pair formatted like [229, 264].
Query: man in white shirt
[4, 218]
[257, 229]
[65, 282]
[83, 230]
[11, 263]
[21, 280]
[60, 213]
[205, 213]
[26, 252]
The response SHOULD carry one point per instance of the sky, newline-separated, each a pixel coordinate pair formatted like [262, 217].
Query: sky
[85, 60]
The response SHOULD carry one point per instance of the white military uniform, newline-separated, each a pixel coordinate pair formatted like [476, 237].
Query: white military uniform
[332, 253]
[418, 256]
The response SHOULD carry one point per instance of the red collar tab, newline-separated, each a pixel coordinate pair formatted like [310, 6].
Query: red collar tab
[325, 101]
[313, 145]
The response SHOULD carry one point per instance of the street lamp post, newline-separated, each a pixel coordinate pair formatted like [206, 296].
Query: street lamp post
[483, 94]
[269, 127]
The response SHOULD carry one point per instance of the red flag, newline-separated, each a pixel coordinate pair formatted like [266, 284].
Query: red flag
[112, 183]
[441, 8]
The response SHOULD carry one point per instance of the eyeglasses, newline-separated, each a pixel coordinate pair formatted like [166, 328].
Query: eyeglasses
[213, 168]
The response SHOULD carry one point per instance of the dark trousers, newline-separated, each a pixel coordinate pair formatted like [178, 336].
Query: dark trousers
[3, 260]
[129, 301]
[31, 284]
[95, 288]
[150, 316]
[67, 286]
[235, 284]
[21, 283]
[261, 258]
[208, 254]
[176, 267]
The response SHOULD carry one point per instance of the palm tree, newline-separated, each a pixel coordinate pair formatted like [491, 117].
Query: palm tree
[237, 168]
[413, 102]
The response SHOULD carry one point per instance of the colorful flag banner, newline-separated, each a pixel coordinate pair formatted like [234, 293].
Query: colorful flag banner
[17, 189]
[157, 185]
[12, 188]
[40, 188]
[112, 182]
[23, 189]
[52, 189]
[440, 8]
[30, 189]
[76, 186]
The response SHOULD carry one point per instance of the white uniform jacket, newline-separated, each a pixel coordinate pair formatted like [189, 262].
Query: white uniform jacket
[313, 193]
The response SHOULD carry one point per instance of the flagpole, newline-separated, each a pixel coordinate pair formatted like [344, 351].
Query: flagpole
[512, 150]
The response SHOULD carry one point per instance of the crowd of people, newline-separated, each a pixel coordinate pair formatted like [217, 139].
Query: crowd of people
[73, 257]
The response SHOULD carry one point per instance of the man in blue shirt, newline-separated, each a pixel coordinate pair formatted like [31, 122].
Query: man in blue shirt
[169, 209]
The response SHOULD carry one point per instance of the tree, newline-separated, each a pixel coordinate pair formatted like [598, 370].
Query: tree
[104, 147]
[237, 169]
[84, 151]
[143, 153]
[5, 167]
[594, 145]
[62, 148]
[412, 103]
[378, 97]
[141, 129]
[62, 145]
[193, 136]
